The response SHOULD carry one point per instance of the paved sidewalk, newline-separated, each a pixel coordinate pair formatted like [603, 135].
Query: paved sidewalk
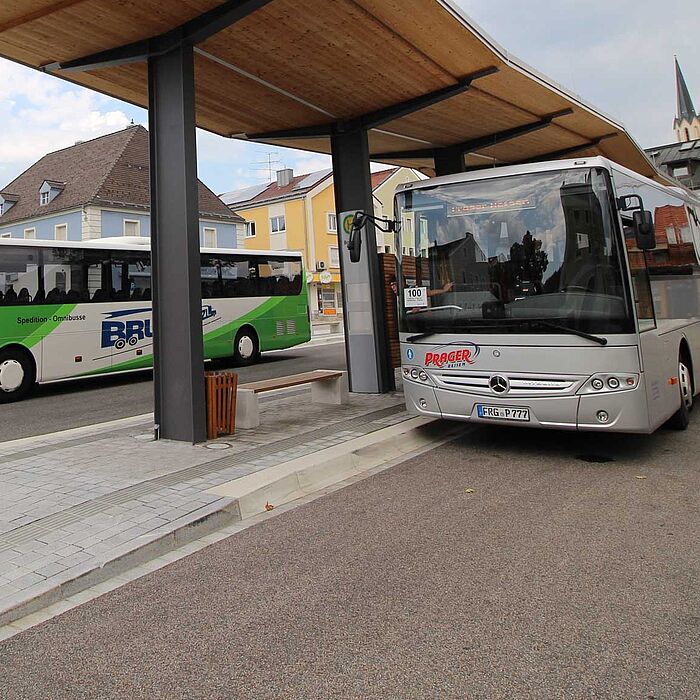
[72, 504]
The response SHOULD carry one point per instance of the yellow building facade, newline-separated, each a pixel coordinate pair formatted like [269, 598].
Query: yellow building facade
[297, 212]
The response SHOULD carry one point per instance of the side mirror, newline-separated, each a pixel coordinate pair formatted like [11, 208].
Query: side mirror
[644, 230]
[354, 244]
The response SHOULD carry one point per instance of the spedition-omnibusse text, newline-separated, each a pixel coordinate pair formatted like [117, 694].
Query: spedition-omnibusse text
[45, 319]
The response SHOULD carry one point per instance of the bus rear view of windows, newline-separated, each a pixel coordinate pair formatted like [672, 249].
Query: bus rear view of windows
[550, 295]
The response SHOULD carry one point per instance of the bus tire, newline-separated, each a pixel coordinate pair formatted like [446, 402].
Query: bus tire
[17, 374]
[246, 347]
[681, 418]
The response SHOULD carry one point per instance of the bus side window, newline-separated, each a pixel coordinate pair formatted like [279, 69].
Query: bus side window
[211, 277]
[19, 276]
[130, 278]
[65, 276]
[641, 285]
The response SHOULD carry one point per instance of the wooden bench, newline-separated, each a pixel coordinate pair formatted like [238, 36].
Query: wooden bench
[327, 386]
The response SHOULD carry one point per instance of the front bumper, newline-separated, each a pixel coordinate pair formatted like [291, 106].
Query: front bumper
[627, 410]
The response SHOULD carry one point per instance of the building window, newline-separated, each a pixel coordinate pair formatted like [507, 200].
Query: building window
[60, 232]
[30, 233]
[681, 171]
[250, 229]
[209, 237]
[44, 198]
[278, 224]
[332, 221]
[132, 227]
[333, 256]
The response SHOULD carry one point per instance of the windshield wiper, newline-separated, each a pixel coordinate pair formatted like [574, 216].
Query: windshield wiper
[567, 329]
[419, 336]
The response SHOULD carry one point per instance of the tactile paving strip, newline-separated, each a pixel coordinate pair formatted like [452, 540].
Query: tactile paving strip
[366, 423]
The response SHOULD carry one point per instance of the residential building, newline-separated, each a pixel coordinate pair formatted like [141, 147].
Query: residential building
[681, 160]
[297, 212]
[97, 189]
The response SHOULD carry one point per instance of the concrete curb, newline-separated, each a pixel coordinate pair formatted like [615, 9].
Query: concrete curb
[299, 477]
[243, 499]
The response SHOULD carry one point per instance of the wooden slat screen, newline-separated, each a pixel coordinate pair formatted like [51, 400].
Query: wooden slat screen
[221, 403]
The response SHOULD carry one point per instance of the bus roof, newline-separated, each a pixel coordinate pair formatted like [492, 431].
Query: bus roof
[132, 243]
[545, 166]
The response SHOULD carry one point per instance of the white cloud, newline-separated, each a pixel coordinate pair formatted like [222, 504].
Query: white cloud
[40, 114]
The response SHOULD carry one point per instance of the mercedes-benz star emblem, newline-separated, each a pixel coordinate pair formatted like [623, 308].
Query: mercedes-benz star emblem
[499, 384]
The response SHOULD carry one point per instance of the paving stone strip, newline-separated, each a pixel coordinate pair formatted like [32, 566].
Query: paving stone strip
[25, 533]
[64, 444]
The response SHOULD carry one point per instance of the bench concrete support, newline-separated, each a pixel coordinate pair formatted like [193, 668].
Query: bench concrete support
[334, 391]
[247, 409]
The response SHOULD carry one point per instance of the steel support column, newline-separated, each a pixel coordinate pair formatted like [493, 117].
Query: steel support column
[177, 301]
[448, 161]
[366, 341]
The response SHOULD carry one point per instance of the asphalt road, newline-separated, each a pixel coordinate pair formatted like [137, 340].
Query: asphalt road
[571, 571]
[72, 404]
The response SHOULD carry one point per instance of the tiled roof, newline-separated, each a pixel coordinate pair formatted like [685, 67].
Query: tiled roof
[675, 152]
[297, 187]
[381, 176]
[110, 170]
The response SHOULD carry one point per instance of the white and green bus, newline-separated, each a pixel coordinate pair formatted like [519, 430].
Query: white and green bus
[77, 309]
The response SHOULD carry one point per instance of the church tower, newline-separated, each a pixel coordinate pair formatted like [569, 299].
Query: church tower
[687, 121]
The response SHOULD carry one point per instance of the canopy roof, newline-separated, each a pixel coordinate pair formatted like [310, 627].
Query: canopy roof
[287, 70]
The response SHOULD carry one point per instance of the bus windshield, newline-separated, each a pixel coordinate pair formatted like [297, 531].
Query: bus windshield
[498, 255]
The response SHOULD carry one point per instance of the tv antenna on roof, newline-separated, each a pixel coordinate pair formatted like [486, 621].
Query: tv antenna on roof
[269, 166]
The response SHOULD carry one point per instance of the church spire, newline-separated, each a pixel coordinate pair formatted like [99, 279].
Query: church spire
[687, 121]
[686, 110]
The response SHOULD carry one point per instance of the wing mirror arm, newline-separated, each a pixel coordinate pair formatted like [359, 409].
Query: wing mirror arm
[359, 222]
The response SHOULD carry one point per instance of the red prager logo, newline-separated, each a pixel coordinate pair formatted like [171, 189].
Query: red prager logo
[453, 358]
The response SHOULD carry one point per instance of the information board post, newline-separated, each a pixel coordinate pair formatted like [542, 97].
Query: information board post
[369, 366]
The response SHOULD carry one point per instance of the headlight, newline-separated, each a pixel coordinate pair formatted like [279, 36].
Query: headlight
[414, 374]
[608, 383]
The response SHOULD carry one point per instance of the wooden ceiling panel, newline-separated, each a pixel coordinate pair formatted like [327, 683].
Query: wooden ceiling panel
[318, 56]
[261, 108]
[470, 115]
[532, 145]
[81, 28]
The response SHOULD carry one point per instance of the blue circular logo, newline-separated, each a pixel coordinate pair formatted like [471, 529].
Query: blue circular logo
[409, 354]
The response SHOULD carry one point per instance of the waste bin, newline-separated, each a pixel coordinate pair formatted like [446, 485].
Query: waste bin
[221, 403]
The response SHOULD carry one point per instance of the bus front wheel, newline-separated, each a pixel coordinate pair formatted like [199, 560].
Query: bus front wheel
[17, 375]
[246, 348]
[681, 418]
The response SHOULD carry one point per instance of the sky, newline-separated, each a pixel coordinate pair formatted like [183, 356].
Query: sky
[618, 56]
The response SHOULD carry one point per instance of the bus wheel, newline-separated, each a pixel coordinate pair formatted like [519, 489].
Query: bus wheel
[246, 348]
[681, 418]
[16, 375]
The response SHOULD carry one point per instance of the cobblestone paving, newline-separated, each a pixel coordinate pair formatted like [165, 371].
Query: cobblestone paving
[70, 505]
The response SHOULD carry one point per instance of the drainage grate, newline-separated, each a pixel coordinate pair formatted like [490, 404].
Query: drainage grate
[374, 421]
[595, 459]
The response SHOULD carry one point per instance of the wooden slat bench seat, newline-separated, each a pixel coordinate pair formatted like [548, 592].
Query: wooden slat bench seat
[327, 386]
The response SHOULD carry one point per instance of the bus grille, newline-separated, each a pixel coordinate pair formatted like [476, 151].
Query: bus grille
[291, 327]
[522, 385]
[279, 328]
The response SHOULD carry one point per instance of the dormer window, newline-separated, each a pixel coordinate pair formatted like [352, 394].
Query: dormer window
[49, 190]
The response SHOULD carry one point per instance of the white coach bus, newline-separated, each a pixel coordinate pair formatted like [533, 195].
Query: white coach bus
[556, 295]
[76, 309]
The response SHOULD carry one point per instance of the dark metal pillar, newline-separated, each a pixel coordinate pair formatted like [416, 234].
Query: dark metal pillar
[364, 318]
[449, 161]
[177, 301]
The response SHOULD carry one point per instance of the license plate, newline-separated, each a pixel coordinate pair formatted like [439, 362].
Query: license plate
[503, 413]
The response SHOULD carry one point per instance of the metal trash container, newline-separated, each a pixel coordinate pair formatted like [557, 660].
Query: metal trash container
[221, 403]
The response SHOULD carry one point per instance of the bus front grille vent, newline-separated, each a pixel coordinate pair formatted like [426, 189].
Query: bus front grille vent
[291, 327]
[519, 384]
[279, 328]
